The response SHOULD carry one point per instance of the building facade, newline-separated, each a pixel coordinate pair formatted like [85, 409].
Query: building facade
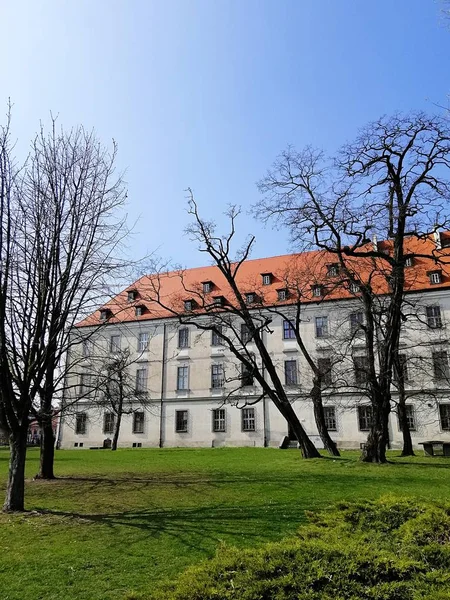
[197, 393]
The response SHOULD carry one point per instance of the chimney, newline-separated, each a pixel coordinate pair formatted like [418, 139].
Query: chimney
[375, 242]
[437, 238]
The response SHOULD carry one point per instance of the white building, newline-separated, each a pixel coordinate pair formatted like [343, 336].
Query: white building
[189, 374]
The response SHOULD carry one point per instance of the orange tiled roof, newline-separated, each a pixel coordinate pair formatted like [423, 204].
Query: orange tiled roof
[304, 270]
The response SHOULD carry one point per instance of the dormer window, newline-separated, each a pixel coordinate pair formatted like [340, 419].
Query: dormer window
[266, 278]
[250, 297]
[354, 288]
[105, 314]
[207, 286]
[317, 290]
[435, 277]
[139, 310]
[132, 295]
[333, 270]
[409, 261]
[189, 305]
[218, 301]
[282, 294]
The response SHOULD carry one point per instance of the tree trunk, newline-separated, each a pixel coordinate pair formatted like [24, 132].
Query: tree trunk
[116, 431]
[378, 438]
[47, 455]
[404, 426]
[15, 490]
[328, 443]
[306, 446]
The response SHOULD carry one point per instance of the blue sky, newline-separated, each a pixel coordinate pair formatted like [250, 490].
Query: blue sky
[206, 93]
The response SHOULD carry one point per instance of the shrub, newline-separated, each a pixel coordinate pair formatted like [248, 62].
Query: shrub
[366, 551]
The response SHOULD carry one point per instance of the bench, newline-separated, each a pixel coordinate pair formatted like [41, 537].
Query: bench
[436, 448]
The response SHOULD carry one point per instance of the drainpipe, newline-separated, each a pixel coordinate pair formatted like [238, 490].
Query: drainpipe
[264, 401]
[163, 387]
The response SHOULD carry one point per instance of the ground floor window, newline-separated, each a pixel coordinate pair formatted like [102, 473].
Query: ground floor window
[80, 423]
[365, 416]
[219, 419]
[138, 422]
[181, 421]
[248, 419]
[444, 414]
[108, 422]
[410, 418]
[330, 418]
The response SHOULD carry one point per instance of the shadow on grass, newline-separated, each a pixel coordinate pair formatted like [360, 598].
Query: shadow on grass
[197, 527]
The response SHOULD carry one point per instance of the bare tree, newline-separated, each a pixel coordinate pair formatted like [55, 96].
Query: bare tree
[67, 231]
[240, 324]
[390, 184]
[72, 205]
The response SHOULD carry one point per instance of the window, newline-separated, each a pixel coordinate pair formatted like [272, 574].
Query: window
[435, 277]
[246, 335]
[246, 376]
[219, 301]
[321, 327]
[290, 372]
[131, 295]
[114, 343]
[329, 413]
[105, 313]
[444, 415]
[401, 369]
[216, 340]
[356, 320]
[409, 261]
[87, 348]
[216, 376]
[183, 337]
[317, 291]
[266, 278]
[282, 294]
[143, 340]
[361, 366]
[288, 331]
[410, 418]
[80, 423]
[181, 421]
[85, 384]
[188, 305]
[219, 422]
[434, 320]
[139, 311]
[248, 419]
[324, 365]
[250, 298]
[141, 380]
[207, 286]
[440, 365]
[333, 270]
[354, 288]
[182, 378]
[365, 417]
[138, 422]
[108, 422]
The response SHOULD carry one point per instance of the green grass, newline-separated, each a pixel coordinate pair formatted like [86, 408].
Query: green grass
[123, 521]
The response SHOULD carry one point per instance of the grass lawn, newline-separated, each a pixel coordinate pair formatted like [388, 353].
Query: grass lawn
[117, 522]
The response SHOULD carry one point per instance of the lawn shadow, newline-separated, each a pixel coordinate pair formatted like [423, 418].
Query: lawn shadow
[196, 527]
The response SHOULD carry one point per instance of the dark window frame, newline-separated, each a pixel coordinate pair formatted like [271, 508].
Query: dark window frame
[291, 373]
[248, 422]
[181, 421]
[138, 422]
[219, 420]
